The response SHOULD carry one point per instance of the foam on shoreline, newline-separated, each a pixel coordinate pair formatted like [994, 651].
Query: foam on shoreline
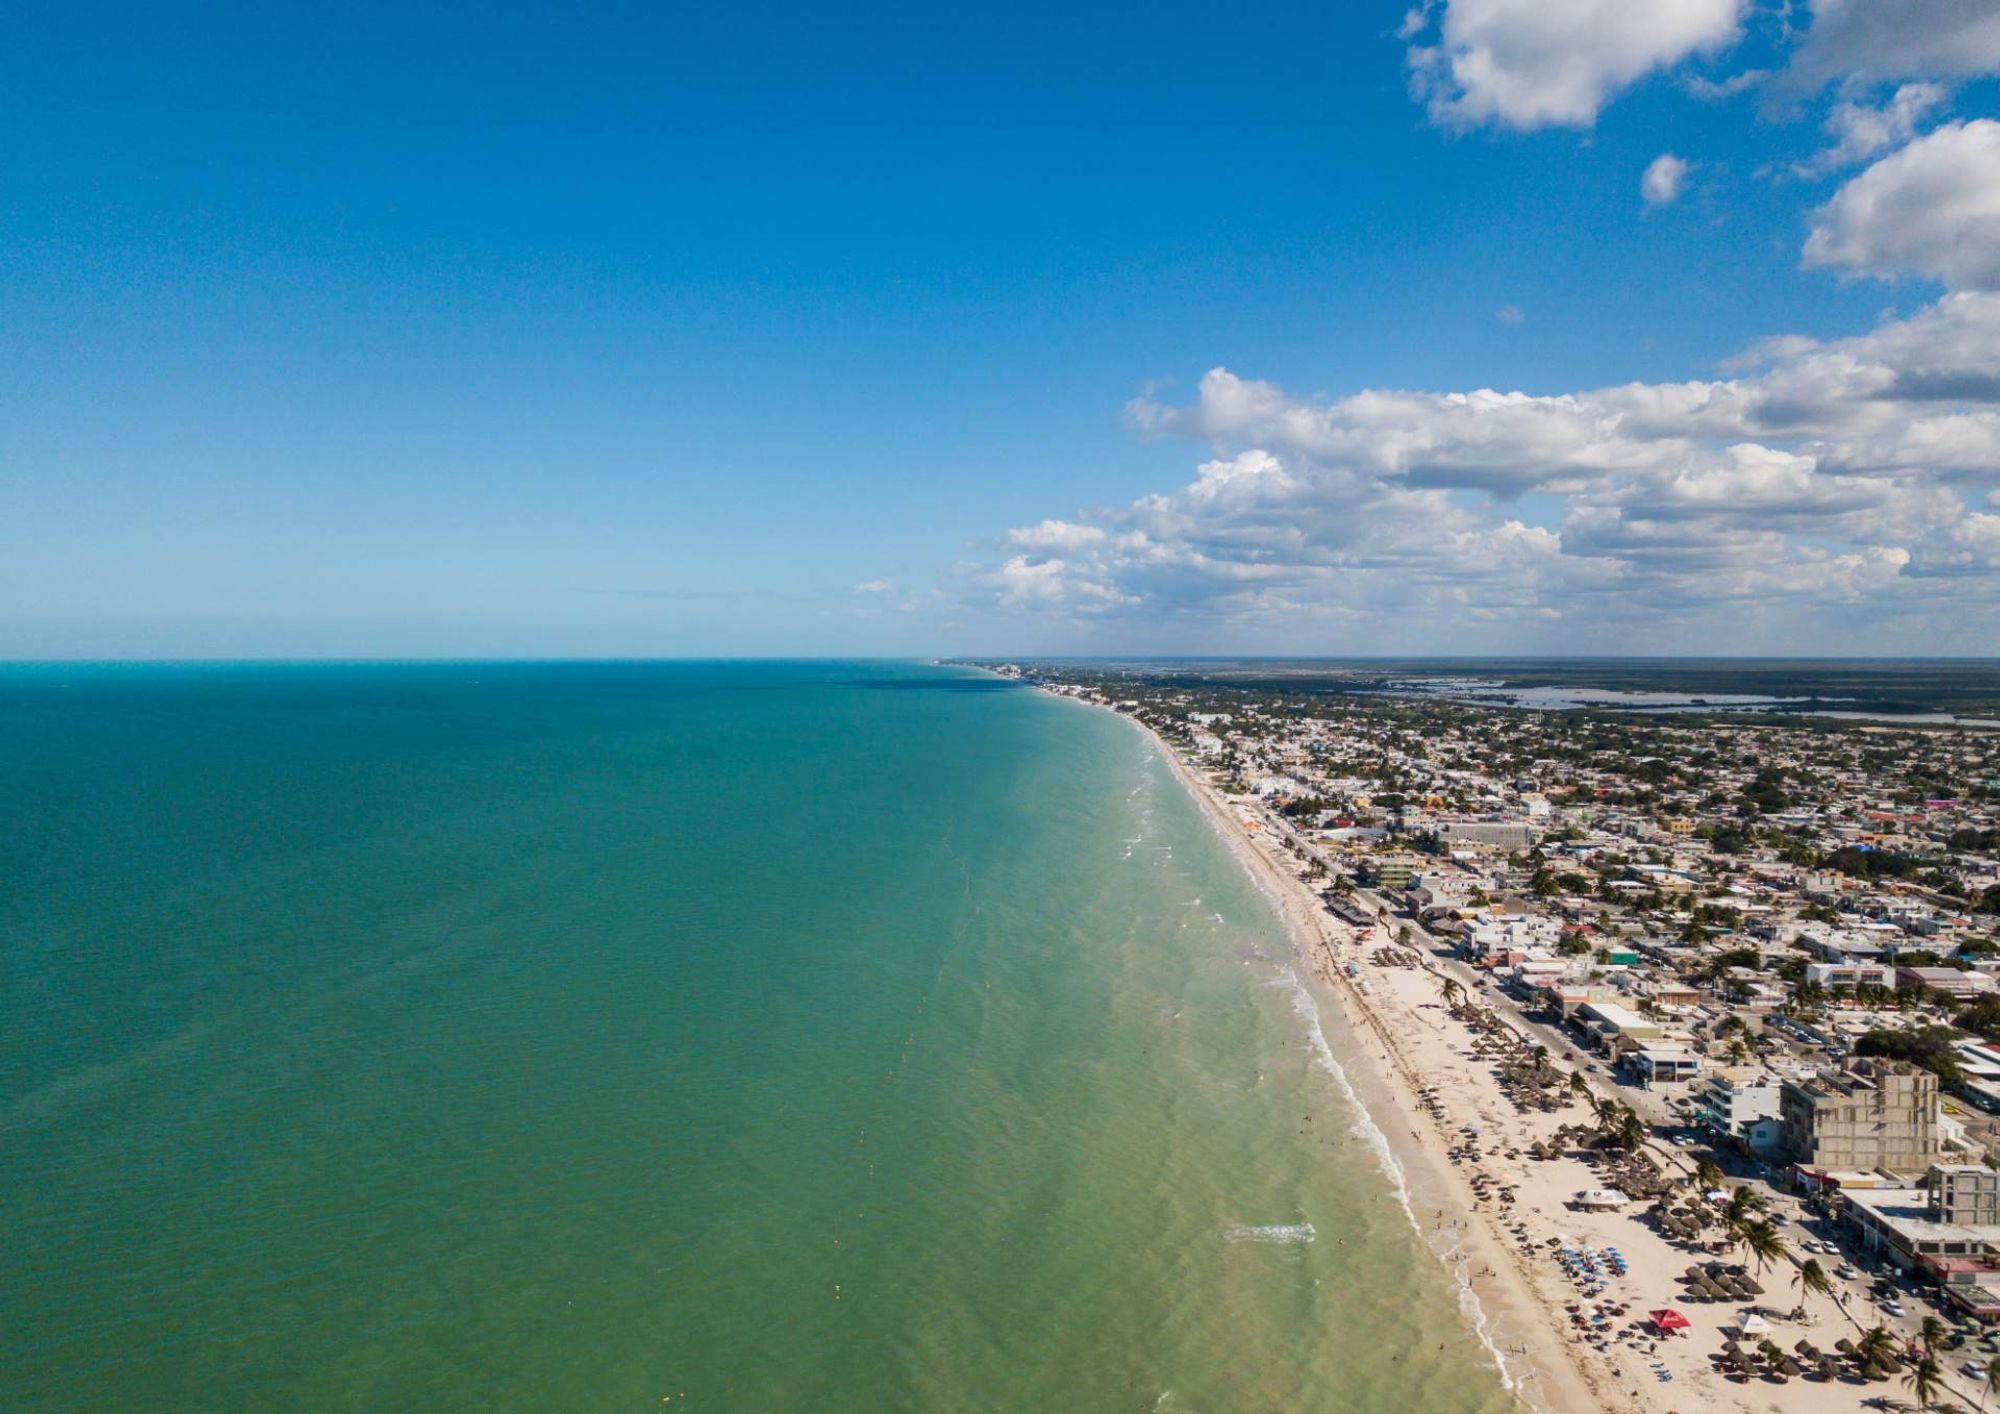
[1523, 1383]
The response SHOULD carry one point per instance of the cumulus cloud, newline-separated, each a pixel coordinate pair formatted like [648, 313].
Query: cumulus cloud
[1932, 207]
[1056, 536]
[875, 586]
[1552, 63]
[1908, 39]
[1816, 475]
[1662, 180]
[1510, 314]
[1861, 130]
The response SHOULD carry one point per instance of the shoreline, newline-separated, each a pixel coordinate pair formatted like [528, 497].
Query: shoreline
[1489, 1185]
[1517, 1327]
[1490, 1166]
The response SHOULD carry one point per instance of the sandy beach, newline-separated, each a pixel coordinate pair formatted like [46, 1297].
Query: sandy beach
[1495, 1215]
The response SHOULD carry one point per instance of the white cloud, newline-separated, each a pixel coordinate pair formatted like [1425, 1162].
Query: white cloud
[1714, 90]
[1931, 208]
[1860, 131]
[1510, 314]
[1024, 581]
[874, 586]
[1664, 176]
[1822, 477]
[1553, 63]
[1895, 39]
[1056, 537]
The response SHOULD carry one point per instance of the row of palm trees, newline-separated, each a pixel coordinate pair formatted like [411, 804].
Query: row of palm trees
[1749, 1230]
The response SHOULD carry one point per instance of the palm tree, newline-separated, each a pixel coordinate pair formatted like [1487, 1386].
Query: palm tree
[1932, 1334]
[1923, 1379]
[1578, 1086]
[1811, 1280]
[1760, 1239]
[1992, 1384]
[1631, 1131]
[1708, 1174]
[1607, 1115]
[1875, 1345]
[1742, 1204]
[1450, 991]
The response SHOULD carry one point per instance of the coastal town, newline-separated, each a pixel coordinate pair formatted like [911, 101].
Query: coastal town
[1698, 1018]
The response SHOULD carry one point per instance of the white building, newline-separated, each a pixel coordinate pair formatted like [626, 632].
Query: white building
[1742, 1109]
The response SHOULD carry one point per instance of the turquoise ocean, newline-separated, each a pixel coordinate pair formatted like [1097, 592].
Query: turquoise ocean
[813, 1036]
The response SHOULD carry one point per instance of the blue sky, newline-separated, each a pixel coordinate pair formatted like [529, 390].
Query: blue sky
[734, 330]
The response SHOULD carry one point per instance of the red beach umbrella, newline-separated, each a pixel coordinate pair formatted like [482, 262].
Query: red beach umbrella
[1669, 1320]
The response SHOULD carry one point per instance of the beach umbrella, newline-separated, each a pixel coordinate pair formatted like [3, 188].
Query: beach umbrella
[1668, 1319]
[1753, 1324]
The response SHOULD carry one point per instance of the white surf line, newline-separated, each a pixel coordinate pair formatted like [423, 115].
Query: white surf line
[1470, 1307]
[1366, 1128]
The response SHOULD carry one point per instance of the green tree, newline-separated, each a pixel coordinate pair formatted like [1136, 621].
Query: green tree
[1875, 1345]
[1760, 1239]
[1811, 1280]
[1923, 1378]
[1631, 1131]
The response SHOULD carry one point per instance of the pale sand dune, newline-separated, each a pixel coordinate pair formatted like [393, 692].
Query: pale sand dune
[1411, 1041]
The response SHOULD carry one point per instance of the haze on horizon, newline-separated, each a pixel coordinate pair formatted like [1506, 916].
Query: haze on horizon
[1478, 327]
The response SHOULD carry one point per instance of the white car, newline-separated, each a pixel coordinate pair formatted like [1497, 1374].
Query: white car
[1810, 1245]
[1972, 1370]
[1894, 1308]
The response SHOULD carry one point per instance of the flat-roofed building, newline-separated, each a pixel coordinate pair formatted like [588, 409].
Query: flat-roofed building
[1851, 974]
[1509, 835]
[1741, 1109]
[1652, 1063]
[1967, 1194]
[1876, 1114]
[1389, 871]
[1948, 980]
[1613, 1028]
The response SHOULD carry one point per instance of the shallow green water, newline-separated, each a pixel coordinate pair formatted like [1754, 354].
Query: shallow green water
[792, 1037]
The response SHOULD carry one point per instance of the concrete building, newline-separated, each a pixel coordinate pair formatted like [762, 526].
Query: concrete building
[1876, 1114]
[1743, 1110]
[1947, 980]
[1507, 835]
[1949, 1230]
[1965, 1194]
[1851, 974]
[1389, 871]
[1614, 1029]
[1653, 1063]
